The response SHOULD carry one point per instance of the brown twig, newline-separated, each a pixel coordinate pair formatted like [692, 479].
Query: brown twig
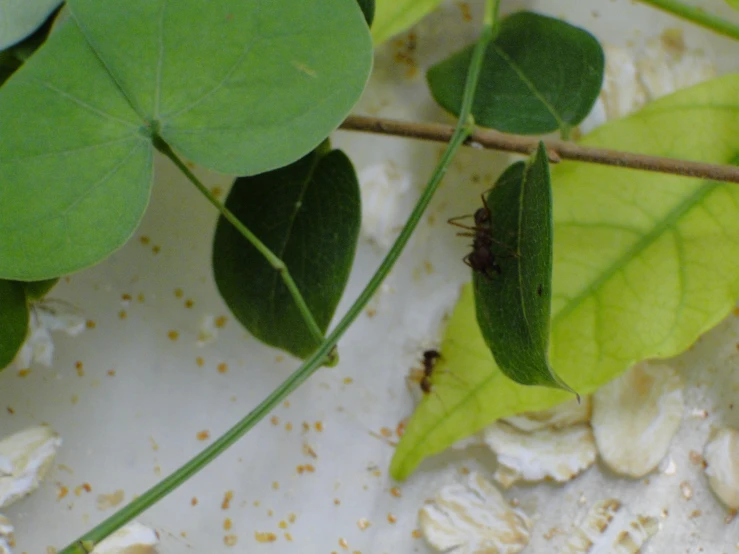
[558, 150]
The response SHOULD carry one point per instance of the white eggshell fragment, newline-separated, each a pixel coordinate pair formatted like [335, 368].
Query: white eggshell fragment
[25, 457]
[556, 454]
[635, 417]
[568, 413]
[721, 454]
[609, 528]
[134, 538]
[6, 535]
[474, 518]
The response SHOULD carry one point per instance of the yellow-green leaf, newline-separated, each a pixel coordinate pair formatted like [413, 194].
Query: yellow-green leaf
[644, 264]
[394, 16]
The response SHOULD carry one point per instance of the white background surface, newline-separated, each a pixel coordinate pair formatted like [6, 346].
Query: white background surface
[160, 396]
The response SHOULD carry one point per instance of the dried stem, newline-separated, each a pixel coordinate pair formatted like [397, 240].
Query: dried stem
[557, 149]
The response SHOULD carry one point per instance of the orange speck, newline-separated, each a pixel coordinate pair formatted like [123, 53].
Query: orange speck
[189, 303]
[111, 373]
[386, 432]
[337, 501]
[80, 369]
[90, 324]
[140, 297]
[282, 524]
[300, 469]
[391, 518]
[371, 312]
[125, 297]
[736, 311]
[222, 367]
[416, 534]
[270, 513]
[11, 411]
[395, 491]
[318, 425]
[291, 517]
[274, 420]
[275, 485]
[178, 293]
[227, 524]
[220, 321]
[87, 487]
[194, 501]
[288, 537]
[231, 540]
[278, 359]
[24, 372]
[226, 504]
[306, 427]
[286, 403]
[173, 335]
[265, 536]
[145, 240]
[343, 543]
[466, 13]
[348, 380]
[400, 429]
[203, 435]
[217, 191]
[200, 361]
[309, 468]
[156, 249]
[122, 314]
[464, 470]
[62, 492]
[288, 426]
[363, 524]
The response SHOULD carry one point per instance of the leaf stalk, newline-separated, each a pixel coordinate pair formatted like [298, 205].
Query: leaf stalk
[696, 15]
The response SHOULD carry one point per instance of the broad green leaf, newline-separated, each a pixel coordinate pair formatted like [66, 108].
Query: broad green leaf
[644, 264]
[76, 174]
[513, 299]
[539, 74]
[241, 87]
[19, 18]
[13, 320]
[395, 16]
[248, 87]
[308, 214]
[36, 290]
[733, 3]
[368, 9]
[8, 65]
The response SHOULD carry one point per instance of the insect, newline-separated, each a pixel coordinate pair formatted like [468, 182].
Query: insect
[481, 259]
[423, 377]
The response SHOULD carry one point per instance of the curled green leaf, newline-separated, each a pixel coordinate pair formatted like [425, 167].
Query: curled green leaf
[308, 215]
[395, 16]
[513, 300]
[539, 75]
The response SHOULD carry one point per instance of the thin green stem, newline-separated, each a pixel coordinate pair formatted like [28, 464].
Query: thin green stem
[463, 130]
[271, 258]
[696, 15]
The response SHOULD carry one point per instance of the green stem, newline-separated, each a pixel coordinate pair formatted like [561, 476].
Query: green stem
[273, 260]
[697, 16]
[463, 130]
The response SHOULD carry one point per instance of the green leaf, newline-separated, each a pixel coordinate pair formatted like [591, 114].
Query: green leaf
[36, 290]
[644, 264]
[13, 320]
[368, 9]
[308, 214]
[395, 16]
[539, 74]
[513, 304]
[733, 3]
[20, 18]
[8, 65]
[250, 86]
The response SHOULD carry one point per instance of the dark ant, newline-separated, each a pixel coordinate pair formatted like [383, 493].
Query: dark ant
[423, 377]
[429, 361]
[481, 259]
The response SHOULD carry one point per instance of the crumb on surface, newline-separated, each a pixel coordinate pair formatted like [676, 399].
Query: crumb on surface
[264, 536]
[203, 435]
[227, 497]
